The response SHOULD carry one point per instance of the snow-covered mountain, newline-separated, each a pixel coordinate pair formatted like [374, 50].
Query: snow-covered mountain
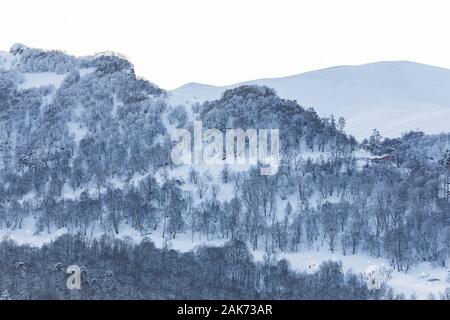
[86, 145]
[394, 97]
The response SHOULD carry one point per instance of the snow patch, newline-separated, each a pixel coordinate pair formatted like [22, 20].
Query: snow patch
[85, 71]
[35, 80]
[7, 61]
[77, 131]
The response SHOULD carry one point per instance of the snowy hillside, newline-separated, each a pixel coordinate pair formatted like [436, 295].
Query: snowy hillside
[85, 151]
[394, 97]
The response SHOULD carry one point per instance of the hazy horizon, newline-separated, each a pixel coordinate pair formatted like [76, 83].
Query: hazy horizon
[175, 42]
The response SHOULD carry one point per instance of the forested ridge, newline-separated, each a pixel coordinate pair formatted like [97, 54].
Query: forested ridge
[118, 269]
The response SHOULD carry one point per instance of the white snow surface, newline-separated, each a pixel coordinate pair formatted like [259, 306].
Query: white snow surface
[7, 60]
[39, 79]
[394, 97]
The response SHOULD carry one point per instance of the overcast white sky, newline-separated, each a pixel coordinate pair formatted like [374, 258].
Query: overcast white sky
[172, 42]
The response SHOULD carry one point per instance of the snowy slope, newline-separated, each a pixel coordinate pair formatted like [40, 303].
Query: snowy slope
[7, 60]
[392, 96]
[377, 87]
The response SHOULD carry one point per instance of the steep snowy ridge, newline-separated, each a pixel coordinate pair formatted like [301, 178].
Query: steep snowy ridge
[394, 97]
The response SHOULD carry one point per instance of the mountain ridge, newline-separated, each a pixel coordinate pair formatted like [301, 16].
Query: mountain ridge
[307, 72]
[393, 96]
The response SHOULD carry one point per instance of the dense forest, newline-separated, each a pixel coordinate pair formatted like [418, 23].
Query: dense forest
[117, 269]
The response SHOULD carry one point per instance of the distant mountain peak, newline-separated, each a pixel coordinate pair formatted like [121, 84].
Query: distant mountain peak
[392, 96]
